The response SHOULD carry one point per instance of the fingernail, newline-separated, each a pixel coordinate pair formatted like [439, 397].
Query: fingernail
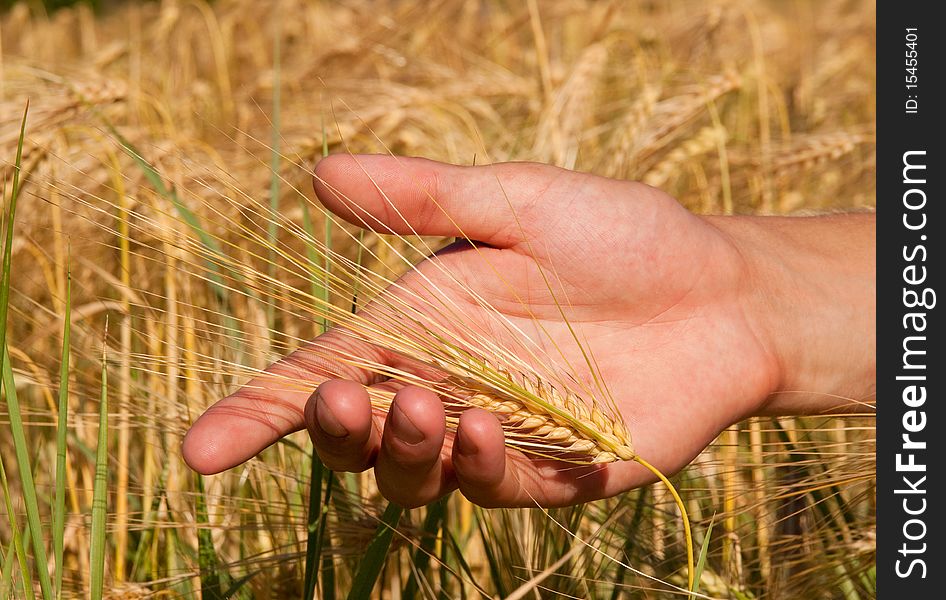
[404, 427]
[328, 421]
[465, 445]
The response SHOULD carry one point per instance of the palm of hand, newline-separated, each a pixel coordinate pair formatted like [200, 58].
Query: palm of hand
[654, 299]
[653, 292]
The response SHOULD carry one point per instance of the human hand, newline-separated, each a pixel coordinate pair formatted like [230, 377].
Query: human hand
[683, 315]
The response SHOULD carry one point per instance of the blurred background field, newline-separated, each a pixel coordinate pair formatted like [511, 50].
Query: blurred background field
[732, 106]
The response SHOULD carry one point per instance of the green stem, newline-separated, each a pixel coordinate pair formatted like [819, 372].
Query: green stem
[683, 513]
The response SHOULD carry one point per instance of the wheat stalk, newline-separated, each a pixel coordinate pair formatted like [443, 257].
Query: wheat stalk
[705, 140]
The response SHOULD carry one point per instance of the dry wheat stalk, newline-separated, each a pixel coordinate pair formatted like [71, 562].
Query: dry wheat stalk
[563, 121]
[810, 151]
[705, 140]
[671, 115]
[632, 123]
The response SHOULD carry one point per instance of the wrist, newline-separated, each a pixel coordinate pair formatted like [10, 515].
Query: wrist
[810, 295]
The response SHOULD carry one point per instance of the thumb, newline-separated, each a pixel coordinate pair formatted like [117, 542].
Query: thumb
[405, 196]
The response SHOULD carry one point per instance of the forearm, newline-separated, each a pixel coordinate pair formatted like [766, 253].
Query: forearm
[812, 294]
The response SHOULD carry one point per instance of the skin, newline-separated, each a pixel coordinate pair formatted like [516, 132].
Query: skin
[696, 323]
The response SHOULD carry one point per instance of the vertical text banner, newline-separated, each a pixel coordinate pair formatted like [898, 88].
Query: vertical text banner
[911, 371]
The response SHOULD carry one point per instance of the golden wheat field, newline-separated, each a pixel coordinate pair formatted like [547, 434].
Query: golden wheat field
[165, 212]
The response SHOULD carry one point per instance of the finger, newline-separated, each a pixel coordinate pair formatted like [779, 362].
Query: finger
[271, 405]
[340, 423]
[484, 475]
[418, 196]
[409, 470]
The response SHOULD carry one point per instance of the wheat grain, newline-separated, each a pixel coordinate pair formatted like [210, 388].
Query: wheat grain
[559, 131]
[628, 131]
[705, 140]
[534, 411]
[811, 151]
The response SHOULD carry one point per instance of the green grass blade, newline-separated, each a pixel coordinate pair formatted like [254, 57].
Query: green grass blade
[701, 562]
[210, 581]
[16, 543]
[630, 542]
[215, 271]
[100, 492]
[18, 161]
[238, 584]
[316, 560]
[148, 535]
[444, 558]
[6, 568]
[27, 583]
[26, 472]
[328, 564]
[154, 178]
[428, 533]
[175, 549]
[59, 505]
[494, 568]
[460, 561]
[318, 510]
[9, 220]
[315, 517]
[375, 555]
